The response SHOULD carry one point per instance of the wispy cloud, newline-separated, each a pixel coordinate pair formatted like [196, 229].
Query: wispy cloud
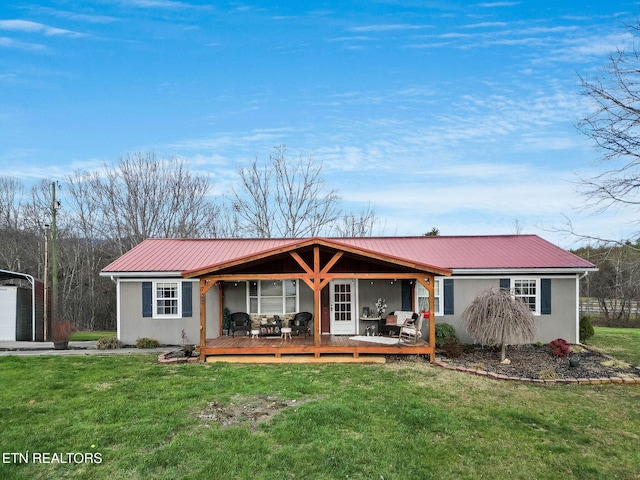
[12, 43]
[587, 47]
[353, 38]
[166, 4]
[27, 26]
[73, 16]
[486, 25]
[497, 4]
[387, 27]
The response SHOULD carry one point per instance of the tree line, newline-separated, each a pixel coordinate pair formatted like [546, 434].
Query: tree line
[611, 296]
[107, 211]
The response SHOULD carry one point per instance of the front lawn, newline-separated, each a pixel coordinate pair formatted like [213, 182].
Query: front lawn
[621, 343]
[401, 420]
[90, 335]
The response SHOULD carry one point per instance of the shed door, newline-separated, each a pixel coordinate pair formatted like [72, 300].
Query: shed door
[343, 307]
[8, 313]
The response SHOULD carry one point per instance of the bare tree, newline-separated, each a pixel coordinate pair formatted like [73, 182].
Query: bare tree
[11, 199]
[85, 252]
[494, 317]
[285, 198]
[144, 196]
[11, 223]
[252, 203]
[615, 287]
[22, 219]
[518, 228]
[613, 127]
[360, 224]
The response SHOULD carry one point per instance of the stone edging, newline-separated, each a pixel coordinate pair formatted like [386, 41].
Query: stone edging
[162, 358]
[553, 381]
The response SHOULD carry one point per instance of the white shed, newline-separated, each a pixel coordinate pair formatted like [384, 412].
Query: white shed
[21, 307]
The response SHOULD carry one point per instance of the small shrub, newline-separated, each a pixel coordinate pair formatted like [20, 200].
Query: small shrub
[547, 374]
[109, 343]
[61, 331]
[618, 364]
[586, 329]
[226, 319]
[146, 342]
[445, 333]
[559, 347]
[187, 346]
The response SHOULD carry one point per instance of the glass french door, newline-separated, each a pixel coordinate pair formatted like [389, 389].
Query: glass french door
[343, 307]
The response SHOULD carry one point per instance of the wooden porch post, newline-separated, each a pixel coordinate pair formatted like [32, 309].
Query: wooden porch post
[428, 282]
[220, 306]
[203, 318]
[316, 296]
[432, 318]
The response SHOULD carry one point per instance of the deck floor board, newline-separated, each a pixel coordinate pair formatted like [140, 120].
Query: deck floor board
[328, 344]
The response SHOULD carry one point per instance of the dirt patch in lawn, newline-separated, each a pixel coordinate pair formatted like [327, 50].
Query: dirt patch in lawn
[247, 410]
[532, 361]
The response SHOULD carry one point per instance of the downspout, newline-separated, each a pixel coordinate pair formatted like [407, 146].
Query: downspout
[32, 281]
[116, 281]
[578, 278]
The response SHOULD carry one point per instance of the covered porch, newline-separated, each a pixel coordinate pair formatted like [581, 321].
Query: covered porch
[318, 264]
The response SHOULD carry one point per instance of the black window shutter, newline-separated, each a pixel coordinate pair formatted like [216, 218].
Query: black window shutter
[187, 300]
[447, 285]
[505, 283]
[545, 296]
[147, 299]
[406, 296]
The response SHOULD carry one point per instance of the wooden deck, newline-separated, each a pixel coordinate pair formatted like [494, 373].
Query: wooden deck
[330, 345]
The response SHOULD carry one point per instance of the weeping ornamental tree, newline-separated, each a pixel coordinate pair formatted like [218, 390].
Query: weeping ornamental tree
[496, 318]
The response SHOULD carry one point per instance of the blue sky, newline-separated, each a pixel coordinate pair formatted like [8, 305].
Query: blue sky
[455, 115]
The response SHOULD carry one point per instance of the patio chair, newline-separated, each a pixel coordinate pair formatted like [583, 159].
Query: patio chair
[300, 323]
[240, 322]
[410, 331]
[393, 322]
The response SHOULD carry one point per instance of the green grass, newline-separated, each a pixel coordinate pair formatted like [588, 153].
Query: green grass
[401, 420]
[621, 343]
[86, 336]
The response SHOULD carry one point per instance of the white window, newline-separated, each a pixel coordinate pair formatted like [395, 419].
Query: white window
[271, 297]
[166, 300]
[422, 297]
[527, 290]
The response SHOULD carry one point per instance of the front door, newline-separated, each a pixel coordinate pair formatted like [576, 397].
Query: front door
[343, 307]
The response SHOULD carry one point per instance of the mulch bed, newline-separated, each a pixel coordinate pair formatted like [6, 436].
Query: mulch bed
[537, 362]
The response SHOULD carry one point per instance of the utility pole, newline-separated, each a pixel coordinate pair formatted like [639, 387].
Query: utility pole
[46, 284]
[55, 205]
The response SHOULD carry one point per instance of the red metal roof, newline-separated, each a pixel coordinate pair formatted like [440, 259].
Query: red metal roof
[467, 252]
[477, 252]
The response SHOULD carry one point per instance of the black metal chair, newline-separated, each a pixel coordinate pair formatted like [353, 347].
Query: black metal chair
[300, 323]
[240, 322]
